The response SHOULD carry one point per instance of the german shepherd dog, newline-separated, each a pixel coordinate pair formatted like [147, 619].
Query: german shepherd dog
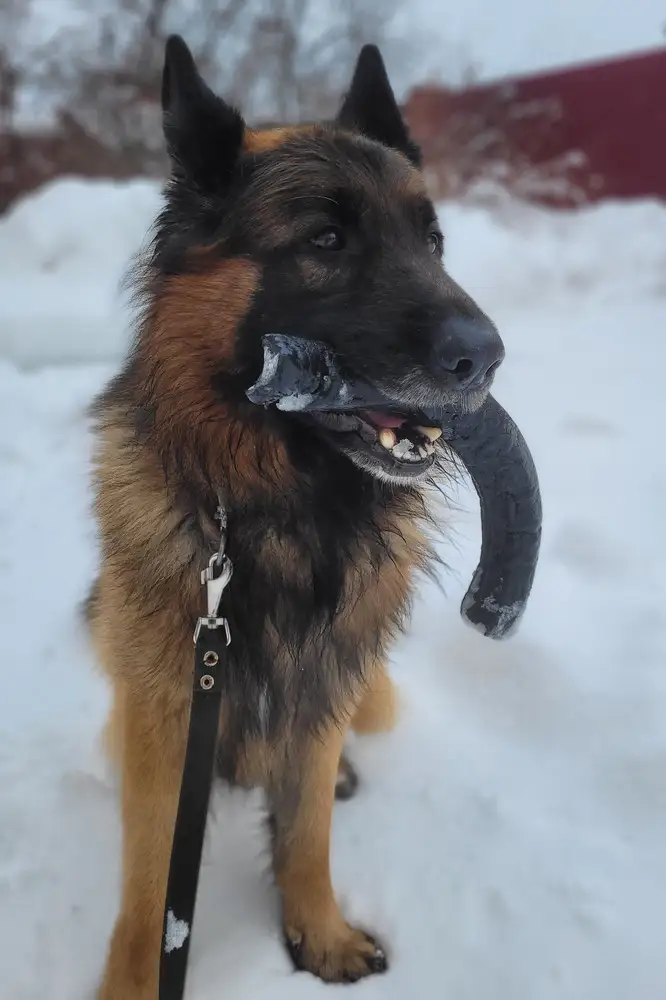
[324, 231]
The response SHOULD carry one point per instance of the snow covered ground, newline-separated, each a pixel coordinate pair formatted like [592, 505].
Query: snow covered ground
[509, 839]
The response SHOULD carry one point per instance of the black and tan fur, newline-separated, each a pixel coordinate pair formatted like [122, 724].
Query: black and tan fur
[324, 553]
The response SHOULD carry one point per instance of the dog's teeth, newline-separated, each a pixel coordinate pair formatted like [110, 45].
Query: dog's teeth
[423, 451]
[402, 448]
[387, 438]
[432, 433]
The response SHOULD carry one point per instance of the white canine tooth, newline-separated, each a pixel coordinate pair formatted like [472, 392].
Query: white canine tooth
[429, 448]
[422, 451]
[432, 433]
[387, 438]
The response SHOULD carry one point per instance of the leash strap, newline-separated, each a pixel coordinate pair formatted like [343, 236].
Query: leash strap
[211, 639]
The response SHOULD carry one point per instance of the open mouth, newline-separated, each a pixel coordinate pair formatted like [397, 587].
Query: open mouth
[304, 377]
[398, 443]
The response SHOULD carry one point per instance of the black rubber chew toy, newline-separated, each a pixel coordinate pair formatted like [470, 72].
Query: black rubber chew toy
[495, 454]
[300, 375]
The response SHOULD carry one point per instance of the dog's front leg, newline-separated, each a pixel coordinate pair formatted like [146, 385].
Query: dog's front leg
[318, 937]
[150, 741]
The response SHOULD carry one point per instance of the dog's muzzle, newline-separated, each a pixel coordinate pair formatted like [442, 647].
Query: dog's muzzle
[300, 375]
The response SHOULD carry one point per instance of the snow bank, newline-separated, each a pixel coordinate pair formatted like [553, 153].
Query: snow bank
[508, 841]
[64, 252]
[519, 253]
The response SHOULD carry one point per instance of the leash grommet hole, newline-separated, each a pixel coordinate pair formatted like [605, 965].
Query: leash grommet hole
[206, 682]
[210, 658]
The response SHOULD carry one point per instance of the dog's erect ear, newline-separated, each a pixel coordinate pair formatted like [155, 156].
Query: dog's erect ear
[203, 134]
[370, 106]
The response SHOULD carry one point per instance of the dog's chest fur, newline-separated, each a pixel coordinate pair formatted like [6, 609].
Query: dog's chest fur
[313, 604]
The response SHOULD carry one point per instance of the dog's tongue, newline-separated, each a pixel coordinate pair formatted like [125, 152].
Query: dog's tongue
[383, 419]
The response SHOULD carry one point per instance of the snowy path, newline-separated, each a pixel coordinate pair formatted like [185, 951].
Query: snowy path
[509, 840]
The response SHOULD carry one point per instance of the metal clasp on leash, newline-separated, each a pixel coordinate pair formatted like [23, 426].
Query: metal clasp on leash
[215, 576]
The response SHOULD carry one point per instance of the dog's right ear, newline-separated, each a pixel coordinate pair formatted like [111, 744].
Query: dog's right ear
[203, 134]
[371, 108]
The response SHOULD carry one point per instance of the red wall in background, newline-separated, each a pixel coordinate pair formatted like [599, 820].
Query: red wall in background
[614, 112]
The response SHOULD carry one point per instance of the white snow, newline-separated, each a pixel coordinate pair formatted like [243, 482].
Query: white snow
[64, 253]
[294, 402]
[509, 838]
[271, 362]
[402, 447]
[177, 932]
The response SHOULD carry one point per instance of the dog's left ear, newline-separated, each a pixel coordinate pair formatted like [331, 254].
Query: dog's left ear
[370, 106]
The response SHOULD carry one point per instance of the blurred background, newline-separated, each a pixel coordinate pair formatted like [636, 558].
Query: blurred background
[509, 840]
[556, 102]
[559, 104]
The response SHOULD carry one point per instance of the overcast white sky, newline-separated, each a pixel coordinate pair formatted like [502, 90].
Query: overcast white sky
[502, 37]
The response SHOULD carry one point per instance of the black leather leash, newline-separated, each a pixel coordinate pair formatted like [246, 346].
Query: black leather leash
[211, 639]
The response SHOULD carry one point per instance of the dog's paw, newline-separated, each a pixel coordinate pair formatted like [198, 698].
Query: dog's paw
[346, 957]
[346, 783]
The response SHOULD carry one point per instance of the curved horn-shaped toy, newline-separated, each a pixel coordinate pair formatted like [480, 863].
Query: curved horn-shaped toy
[304, 375]
[495, 454]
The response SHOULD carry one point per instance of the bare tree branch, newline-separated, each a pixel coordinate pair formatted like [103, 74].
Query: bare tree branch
[278, 60]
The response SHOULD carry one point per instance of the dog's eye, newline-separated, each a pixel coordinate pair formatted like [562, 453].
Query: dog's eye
[330, 238]
[435, 241]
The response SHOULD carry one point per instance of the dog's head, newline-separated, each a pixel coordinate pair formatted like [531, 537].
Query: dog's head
[309, 258]
[324, 232]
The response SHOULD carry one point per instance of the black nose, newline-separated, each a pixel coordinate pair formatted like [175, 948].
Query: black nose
[467, 351]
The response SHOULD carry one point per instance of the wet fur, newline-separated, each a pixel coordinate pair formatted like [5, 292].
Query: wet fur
[324, 554]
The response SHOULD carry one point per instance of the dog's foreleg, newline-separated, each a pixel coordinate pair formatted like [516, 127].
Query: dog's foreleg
[377, 708]
[150, 737]
[301, 794]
